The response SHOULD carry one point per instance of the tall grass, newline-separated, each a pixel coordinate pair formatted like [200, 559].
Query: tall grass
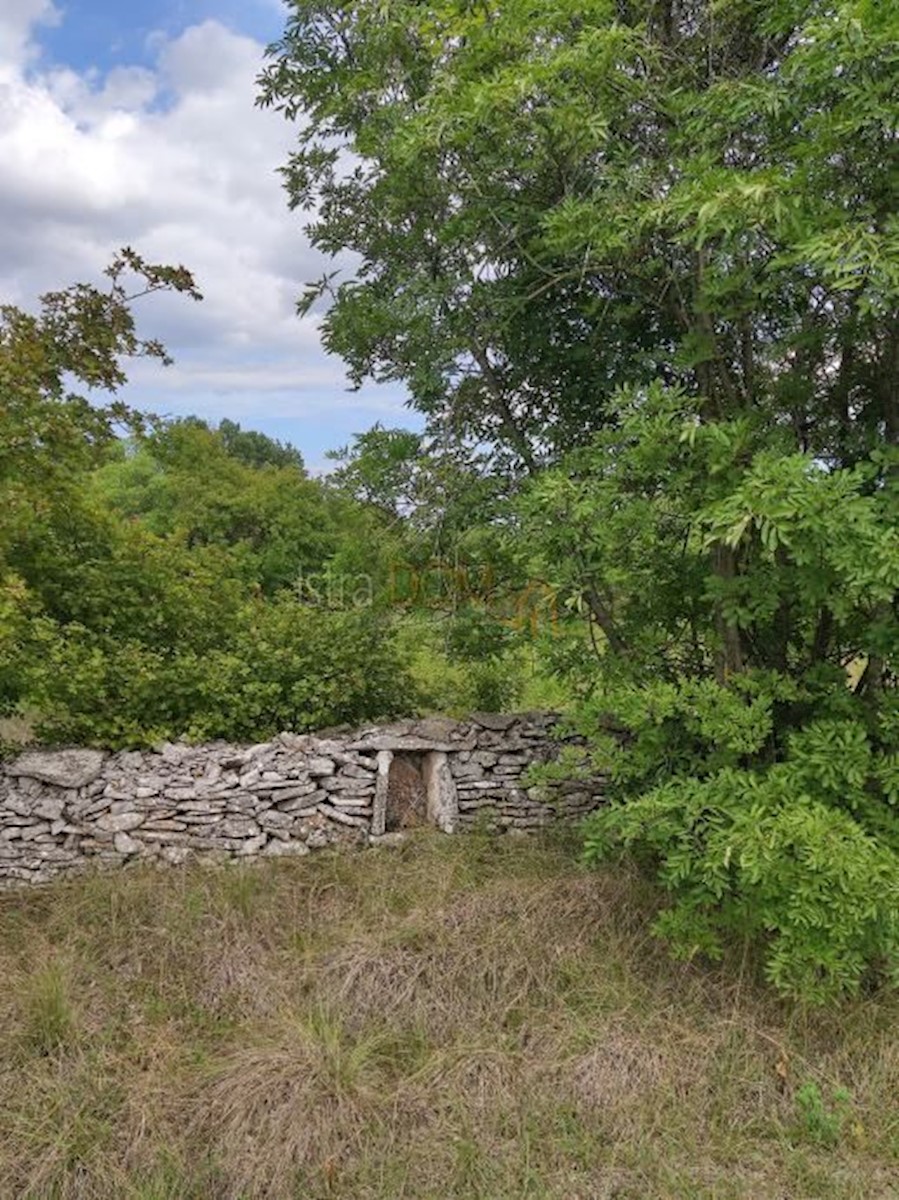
[461, 1018]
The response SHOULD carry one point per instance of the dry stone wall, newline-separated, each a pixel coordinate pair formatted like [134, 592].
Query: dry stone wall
[67, 810]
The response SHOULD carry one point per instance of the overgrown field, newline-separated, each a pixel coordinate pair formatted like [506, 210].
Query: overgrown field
[461, 1018]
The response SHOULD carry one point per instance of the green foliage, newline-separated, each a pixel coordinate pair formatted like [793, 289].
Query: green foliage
[79, 334]
[282, 665]
[255, 449]
[752, 855]
[49, 1024]
[185, 483]
[381, 467]
[822, 1122]
[646, 254]
[157, 587]
[446, 682]
[760, 791]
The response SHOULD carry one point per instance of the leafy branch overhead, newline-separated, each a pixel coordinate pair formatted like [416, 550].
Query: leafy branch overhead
[80, 335]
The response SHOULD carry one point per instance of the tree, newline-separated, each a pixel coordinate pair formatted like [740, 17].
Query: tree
[255, 449]
[81, 333]
[184, 480]
[147, 585]
[50, 435]
[458, 292]
[652, 247]
[380, 468]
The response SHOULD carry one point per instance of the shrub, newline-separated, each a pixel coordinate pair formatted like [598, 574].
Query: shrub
[287, 666]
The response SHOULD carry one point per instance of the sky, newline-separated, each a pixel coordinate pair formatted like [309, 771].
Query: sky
[132, 122]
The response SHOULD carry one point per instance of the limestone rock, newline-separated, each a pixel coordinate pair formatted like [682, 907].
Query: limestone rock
[443, 804]
[62, 810]
[499, 722]
[239, 827]
[125, 844]
[408, 743]
[285, 850]
[175, 855]
[395, 838]
[122, 822]
[50, 808]
[62, 768]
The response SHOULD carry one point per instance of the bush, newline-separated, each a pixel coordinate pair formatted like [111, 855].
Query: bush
[287, 666]
[752, 773]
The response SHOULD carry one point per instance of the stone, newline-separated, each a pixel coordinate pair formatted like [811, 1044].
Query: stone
[354, 771]
[21, 806]
[181, 794]
[437, 729]
[343, 818]
[172, 752]
[275, 819]
[116, 795]
[285, 850]
[125, 844]
[31, 832]
[258, 751]
[219, 802]
[339, 785]
[175, 855]
[440, 788]
[238, 827]
[395, 838]
[122, 822]
[280, 795]
[302, 804]
[62, 768]
[407, 743]
[207, 807]
[382, 788]
[50, 808]
[293, 741]
[499, 722]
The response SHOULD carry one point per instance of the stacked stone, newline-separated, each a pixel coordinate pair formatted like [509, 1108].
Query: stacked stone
[489, 778]
[65, 810]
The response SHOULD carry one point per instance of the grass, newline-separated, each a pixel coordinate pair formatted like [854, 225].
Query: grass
[461, 1018]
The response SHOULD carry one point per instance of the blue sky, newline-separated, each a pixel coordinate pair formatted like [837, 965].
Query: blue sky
[133, 122]
[107, 33]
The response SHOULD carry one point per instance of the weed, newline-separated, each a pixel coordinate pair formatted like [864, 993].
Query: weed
[821, 1121]
[49, 1017]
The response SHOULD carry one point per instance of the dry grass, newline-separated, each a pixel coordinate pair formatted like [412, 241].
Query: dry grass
[462, 1018]
[16, 731]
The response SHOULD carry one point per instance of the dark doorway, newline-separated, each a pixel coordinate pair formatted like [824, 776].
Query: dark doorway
[407, 803]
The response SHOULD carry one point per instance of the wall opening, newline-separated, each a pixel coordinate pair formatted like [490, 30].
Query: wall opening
[407, 800]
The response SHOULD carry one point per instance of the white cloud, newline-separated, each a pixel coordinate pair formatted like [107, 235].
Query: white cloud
[178, 162]
[17, 19]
